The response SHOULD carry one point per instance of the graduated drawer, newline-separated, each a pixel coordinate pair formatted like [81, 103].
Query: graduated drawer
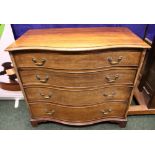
[77, 60]
[79, 79]
[78, 97]
[78, 114]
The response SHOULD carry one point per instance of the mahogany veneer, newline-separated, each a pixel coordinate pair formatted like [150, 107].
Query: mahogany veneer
[78, 76]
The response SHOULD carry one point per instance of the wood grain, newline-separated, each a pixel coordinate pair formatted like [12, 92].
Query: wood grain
[136, 78]
[71, 39]
[69, 75]
[78, 80]
[142, 108]
[78, 97]
[78, 114]
[83, 60]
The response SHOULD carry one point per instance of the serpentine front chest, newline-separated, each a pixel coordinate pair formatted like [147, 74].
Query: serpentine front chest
[78, 76]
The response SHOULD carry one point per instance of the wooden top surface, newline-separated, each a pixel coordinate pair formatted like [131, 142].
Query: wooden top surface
[74, 39]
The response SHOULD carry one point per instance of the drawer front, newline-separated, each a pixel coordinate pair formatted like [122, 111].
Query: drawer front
[78, 114]
[91, 79]
[76, 60]
[78, 97]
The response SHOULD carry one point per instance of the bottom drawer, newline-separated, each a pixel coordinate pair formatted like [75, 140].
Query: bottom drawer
[78, 114]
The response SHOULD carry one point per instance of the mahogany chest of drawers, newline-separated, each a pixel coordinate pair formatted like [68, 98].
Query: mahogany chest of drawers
[78, 76]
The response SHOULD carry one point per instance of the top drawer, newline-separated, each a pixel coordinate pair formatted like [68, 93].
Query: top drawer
[77, 60]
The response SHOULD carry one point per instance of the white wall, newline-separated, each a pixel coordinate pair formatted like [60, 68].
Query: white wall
[6, 39]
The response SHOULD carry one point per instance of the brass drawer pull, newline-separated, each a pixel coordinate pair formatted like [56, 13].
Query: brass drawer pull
[112, 79]
[113, 62]
[42, 80]
[51, 112]
[46, 96]
[106, 112]
[109, 95]
[40, 62]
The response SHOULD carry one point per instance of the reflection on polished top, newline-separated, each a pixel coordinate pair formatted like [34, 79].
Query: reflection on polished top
[71, 39]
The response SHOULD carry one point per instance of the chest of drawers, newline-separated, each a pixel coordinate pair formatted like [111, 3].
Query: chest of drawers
[78, 76]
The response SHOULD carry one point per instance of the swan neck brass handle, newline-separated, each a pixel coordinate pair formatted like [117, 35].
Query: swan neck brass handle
[114, 62]
[46, 96]
[111, 79]
[51, 112]
[42, 80]
[109, 95]
[106, 112]
[40, 62]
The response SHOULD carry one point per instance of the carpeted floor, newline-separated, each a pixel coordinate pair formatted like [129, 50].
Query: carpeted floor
[18, 119]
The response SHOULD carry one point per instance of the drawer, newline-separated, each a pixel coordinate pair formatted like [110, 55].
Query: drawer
[78, 97]
[77, 60]
[78, 114]
[85, 79]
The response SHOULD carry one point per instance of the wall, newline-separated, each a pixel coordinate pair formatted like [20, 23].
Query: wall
[6, 39]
